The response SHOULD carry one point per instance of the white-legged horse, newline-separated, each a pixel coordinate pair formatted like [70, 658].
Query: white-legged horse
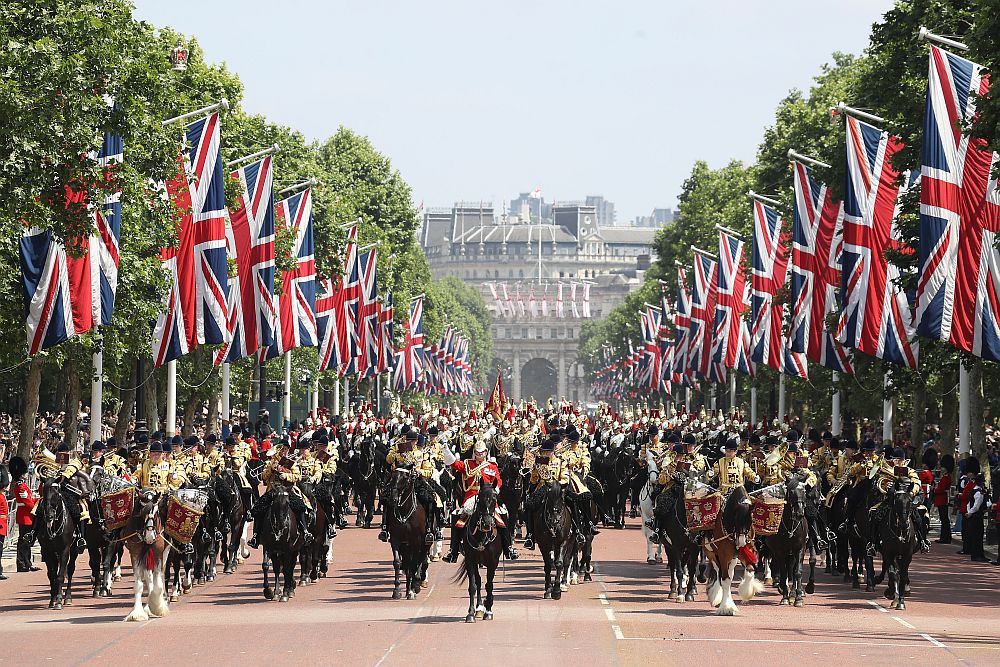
[654, 550]
[148, 551]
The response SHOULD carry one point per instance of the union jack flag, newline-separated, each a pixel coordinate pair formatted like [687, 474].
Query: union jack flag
[703, 300]
[648, 369]
[64, 295]
[770, 268]
[327, 306]
[817, 241]
[413, 348]
[368, 314]
[347, 314]
[680, 372]
[731, 301]
[875, 318]
[666, 351]
[958, 295]
[296, 315]
[387, 350]
[195, 308]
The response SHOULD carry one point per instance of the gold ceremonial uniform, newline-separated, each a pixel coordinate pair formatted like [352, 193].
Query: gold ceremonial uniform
[311, 468]
[273, 476]
[655, 447]
[160, 476]
[732, 473]
[203, 465]
[330, 466]
[788, 463]
[577, 462]
[861, 469]
[416, 458]
[821, 459]
[115, 465]
[235, 460]
[545, 471]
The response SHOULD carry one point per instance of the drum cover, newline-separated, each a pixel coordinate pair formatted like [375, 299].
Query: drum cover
[766, 516]
[117, 507]
[182, 519]
[702, 511]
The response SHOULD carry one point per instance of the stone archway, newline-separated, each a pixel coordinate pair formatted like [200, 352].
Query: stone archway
[539, 379]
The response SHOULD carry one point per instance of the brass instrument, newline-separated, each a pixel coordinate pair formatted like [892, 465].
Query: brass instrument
[775, 456]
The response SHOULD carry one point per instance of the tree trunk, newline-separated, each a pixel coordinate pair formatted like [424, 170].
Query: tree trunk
[72, 421]
[214, 407]
[918, 420]
[152, 409]
[949, 410]
[125, 409]
[29, 411]
[190, 410]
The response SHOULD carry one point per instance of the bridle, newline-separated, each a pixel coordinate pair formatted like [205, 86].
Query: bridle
[410, 501]
[482, 521]
[795, 498]
[55, 513]
[552, 512]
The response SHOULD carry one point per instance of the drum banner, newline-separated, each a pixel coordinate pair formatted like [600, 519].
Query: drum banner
[766, 516]
[702, 512]
[116, 507]
[182, 520]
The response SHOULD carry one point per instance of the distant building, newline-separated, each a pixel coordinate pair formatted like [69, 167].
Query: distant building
[605, 210]
[658, 218]
[538, 353]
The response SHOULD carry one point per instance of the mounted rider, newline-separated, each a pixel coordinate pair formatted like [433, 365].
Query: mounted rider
[731, 471]
[898, 467]
[577, 460]
[795, 463]
[66, 464]
[548, 467]
[157, 472]
[475, 471]
[208, 460]
[235, 459]
[280, 471]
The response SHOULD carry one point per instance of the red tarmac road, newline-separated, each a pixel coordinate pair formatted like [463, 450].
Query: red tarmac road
[622, 617]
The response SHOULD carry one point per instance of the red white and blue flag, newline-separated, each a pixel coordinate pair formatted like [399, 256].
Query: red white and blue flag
[348, 322]
[411, 366]
[195, 308]
[875, 318]
[66, 296]
[958, 294]
[680, 373]
[327, 327]
[387, 348]
[729, 344]
[703, 299]
[295, 325]
[770, 267]
[368, 314]
[817, 241]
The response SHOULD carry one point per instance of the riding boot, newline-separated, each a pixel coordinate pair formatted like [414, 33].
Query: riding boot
[920, 527]
[81, 541]
[431, 519]
[457, 534]
[383, 533]
[508, 546]
[307, 537]
[254, 540]
[529, 542]
[816, 536]
[577, 521]
[439, 522]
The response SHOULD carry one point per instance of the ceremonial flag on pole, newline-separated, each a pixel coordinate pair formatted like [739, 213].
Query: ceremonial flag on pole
[520, 301]
[572, 298]
[532, 306]
[368, 316]
[817, 242]
[508, 302]
[497, 403]
[545, 301]
[195, 308]
[348, 322]
[387, 350]
[559, 302]
[731, 301]
[770, 268]
[65, 295]
[702, 311]
[496, 298]
[958, 295]
[327, 306]
[586, 300]
[875, 318]
[414, 347]
[680, 373]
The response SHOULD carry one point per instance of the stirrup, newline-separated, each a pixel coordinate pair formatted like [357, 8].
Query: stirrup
[510, 553]
[252, 542]
[331, 532]
[383, 535]
[81, 543]
[529, 543]
[429, 537]
[450, 557]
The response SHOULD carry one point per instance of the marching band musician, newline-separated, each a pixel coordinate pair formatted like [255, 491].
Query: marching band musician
[158, 473]
[547, 468]
[577, 460]
[731, 470]
[208, 460]
[280, 471]
[235, 458]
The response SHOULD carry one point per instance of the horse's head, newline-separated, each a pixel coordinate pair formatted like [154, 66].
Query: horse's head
[901, 500]
[401, 484]
[150, 521]
[53, 509]
[795, 495]
[486, 505]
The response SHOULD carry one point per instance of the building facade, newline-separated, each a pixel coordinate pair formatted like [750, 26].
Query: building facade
[521, 266]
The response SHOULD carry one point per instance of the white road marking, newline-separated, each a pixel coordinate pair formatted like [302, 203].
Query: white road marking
[385, 655]
[603, 598]
[904, 623]
[932, 640]
[763, 641]
[610, 613]
[878, 606]
[618, 632]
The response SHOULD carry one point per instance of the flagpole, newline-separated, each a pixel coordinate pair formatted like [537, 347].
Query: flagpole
[286, 400]
[753, 405]
[274, 148]
[347, 395]
[171, 426]
[221, 104]
[964, 410]
[315, 398]
[781, 396]
[226, 390]
[732, 389]
[835, 409]
[886, 413]
[308, 183]
[97, 391]
[336, 397]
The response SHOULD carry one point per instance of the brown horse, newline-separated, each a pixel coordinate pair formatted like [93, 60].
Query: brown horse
[730, 535]
[149, 552]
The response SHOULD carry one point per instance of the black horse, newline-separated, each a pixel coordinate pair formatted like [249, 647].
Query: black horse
[481, 548]
[406, 521]
[898, 541]
[788, 545]
[861, 499]
[55, 527]
[682, 550]
[512, 492]
[553, 530]
[365, 480]
[282, 541]
[208, 534]
[233, 515]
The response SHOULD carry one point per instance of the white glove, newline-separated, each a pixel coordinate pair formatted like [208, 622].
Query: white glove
[449, 456]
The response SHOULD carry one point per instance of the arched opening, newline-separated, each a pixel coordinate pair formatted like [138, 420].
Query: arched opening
[538, 379]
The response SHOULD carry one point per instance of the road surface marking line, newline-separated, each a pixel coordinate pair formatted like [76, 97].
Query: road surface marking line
[765, 641]
[610, 613]
[618, 632]
[904, 623]
[603, 598]
[385, 655]
[878, 606]
[932, 640]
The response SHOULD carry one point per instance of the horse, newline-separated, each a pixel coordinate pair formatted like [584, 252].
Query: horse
[148, 550]
[730, 536]
[180, 572]
[617, 486]
[583, 553]
[104, 551]
[840, 548]
[682, 550]
[898, 540]
[481, 549]
[227, 490]
[553, 530]
[312, 557]
[406, 521]
[788, 545]
[860, 500]
[512, 491]
[363, 473]
[654, 549]
[56, 531]
[281, 541]
[208, 534]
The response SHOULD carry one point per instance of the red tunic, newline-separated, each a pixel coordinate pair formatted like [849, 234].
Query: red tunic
[4, 515]
[941, 491]
[26, 501]
[471, 476]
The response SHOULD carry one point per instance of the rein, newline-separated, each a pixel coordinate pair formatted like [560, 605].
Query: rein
[411, 497]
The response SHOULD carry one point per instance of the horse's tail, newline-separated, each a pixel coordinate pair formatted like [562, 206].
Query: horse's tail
[463, 573]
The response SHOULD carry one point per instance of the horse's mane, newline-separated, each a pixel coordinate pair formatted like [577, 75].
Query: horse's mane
[736, 512]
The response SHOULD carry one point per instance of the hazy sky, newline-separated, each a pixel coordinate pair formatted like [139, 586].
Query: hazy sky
[479, 101]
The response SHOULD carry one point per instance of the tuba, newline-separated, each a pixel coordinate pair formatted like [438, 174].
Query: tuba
[775, 457]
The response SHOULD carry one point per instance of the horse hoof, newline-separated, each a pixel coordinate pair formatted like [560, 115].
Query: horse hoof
[410, 595]
[283, 598]
[435, 559]
[892, 605]
[117, 577]
[659, 559]
[869, 589]
[173, 597]
[137, 617]
[424, 584]
[783, 602]
[651, 561]
[471, 618]
[396, 595]
[701, 578]
[563, 587]
[95, 594]
[268, 594]
[799, 602]
[488, 616]
[768, 581]
[856, 585]
[480, 613]
[587, 577]
[679, 598]
[546, 596]
[900, 606]
[888, 595]
[810, 588]
[689, 597]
